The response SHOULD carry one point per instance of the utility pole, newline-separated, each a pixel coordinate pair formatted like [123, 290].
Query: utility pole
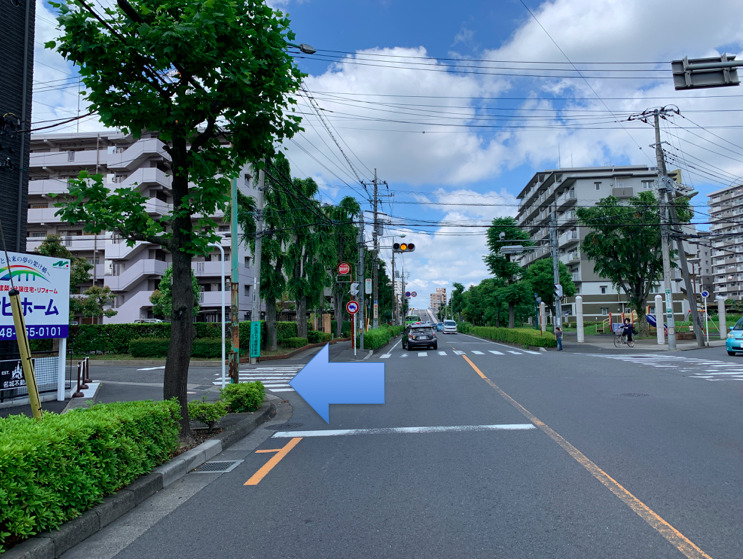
[360, 279]
[234, 290]
[375, 254]
[663, 195]
[555, 269]
[394, 293]
[255, 310]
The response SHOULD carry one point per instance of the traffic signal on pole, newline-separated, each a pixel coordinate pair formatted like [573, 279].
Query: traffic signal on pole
[403, 247]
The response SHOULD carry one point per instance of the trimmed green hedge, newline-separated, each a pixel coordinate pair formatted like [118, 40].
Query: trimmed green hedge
[149, 347]
[293, 342]
[55, 469]
[378, 337]
[243, 397]
[519, 336]
[315, 337]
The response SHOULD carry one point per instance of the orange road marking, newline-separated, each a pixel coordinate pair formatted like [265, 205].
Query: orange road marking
[671, 534]
[268, 466]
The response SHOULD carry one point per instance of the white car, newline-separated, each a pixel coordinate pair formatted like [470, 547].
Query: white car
[450, 327]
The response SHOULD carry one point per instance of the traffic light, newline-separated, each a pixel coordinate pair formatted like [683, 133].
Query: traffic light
[403, 247]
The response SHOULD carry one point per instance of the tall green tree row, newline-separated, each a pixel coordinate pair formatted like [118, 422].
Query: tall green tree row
[211, 80]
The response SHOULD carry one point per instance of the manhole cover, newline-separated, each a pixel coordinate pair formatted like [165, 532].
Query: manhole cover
[283, 426]
[635, 394]
[217, 466]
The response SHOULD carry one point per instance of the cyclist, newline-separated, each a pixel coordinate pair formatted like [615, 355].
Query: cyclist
[627, 330]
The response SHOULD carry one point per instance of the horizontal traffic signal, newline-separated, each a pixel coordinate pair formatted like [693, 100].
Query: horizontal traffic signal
[403, 247]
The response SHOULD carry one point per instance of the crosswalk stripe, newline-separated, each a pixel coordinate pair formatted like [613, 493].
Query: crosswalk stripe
[442, 353]
[515, 352]
[495, 352]
[422, 354]
[477, 352]
[385, 356]
[458, 352]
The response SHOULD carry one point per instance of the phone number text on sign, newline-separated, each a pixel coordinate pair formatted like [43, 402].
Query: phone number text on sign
[36, 332]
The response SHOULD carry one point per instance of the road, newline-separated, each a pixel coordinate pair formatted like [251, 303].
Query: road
[481, 450]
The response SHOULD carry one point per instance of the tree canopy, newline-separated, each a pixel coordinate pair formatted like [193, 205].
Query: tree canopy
[211, 81]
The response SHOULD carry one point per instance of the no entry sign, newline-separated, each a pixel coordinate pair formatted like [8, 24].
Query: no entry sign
[344, 268]
[352, 307]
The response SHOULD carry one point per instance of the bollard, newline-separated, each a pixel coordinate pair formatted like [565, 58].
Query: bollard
[86, 370]
[79, 392]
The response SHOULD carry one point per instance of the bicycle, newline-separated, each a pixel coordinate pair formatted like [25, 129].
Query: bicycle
[621, 339]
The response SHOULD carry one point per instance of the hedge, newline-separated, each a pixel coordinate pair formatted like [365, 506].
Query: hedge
[57, 468]
[243, 397]
[378, 337]
[315, 337]
[293, 342]
[518, 336]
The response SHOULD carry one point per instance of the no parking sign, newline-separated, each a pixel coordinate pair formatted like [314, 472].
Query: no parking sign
[352, 307]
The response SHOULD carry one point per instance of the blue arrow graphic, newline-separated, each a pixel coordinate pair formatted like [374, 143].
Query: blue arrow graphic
[321, 383]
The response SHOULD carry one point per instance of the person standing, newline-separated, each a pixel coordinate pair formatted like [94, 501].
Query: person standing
[558, 337]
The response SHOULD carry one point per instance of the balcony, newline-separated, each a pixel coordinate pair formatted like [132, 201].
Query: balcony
[566, 198]
[67, 160]
[136, 154]
[146, 177]
[45, 187]
[569, 237]
[211, 269]
[137, 271]
[158, 208]
[42, 216]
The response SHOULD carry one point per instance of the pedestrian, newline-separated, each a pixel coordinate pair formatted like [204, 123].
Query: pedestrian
[558, 337]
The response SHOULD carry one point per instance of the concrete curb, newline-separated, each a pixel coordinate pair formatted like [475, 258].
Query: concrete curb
[50, 545]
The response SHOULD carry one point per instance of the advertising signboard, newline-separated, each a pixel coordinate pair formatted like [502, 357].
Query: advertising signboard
[43, 284]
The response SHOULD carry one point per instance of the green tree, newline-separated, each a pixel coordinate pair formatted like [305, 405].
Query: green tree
[505, 232]
[79, 267]
[211, 80]
[162, 297]
[541, 277]
[343, 234]
[93, 302]
[457, 300]
[625, 246]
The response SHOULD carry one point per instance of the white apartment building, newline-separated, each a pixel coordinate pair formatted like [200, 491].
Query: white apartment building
[725, 210]
[132, 273]
[563, 191]
[438, 299]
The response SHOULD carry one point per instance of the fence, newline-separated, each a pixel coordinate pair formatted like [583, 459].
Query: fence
[13, 385]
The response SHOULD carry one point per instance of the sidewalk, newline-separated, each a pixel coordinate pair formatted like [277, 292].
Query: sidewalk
[605, 343]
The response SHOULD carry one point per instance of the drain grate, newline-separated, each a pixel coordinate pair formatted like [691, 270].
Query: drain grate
[283, 426]
[217, 466]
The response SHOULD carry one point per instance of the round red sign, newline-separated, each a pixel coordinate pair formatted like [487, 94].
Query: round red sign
[344, 268]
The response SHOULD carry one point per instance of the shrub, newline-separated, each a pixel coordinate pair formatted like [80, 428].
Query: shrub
[293, 342]
[149, 347]
[206, 412]
[518, 336]
[206, 348]
[315, 337]
[57, 468]
[243, 397]
[377, 337]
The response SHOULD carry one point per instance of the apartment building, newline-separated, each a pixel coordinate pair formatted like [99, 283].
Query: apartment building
[132, 273]
[725, 210]
[562, 191]
[438, 299]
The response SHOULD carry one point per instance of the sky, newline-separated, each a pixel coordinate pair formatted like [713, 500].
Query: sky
[456, 105]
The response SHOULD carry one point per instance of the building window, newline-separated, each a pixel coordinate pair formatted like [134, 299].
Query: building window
[70, 156]
[647, 184]
[597, 184]
[247, 291]
[605, 310]
[247, 261]
[603, 289]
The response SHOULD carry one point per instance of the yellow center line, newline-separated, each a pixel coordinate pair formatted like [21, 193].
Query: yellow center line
[268, 466]
[671, 534]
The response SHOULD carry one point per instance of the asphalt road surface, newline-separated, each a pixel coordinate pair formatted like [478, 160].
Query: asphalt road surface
[480, 450]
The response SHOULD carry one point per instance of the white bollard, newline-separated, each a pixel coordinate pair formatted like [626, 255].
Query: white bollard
[543, 317]
[659, 320]
[579, 318]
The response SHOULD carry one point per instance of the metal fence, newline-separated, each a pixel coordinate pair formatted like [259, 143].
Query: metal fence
[13, 385]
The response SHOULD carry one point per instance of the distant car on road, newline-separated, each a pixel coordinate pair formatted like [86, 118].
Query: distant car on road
[734, 342]
[450, 327]
[439, 326]
[419, 335]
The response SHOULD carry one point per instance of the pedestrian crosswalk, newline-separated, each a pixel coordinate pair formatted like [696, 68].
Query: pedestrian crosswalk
[274, 378]
[693, 367]
[453, 352]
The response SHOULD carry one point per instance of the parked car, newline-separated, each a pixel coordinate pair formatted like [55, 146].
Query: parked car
[419, 335]
[734, 342]
[147, 321]
[450, 327]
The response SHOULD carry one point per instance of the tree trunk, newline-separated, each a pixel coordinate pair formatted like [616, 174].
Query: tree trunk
[511, 315]
[271, 326]
[182, 331]
[302, 317]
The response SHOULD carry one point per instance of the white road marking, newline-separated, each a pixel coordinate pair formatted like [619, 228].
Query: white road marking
[515, 352]
[385, 356]
[404, 355]
[152, 368]
[422, 354]
[458, 352]
[403, 430]
[477, 352]
[495, 352]
[442, 353]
